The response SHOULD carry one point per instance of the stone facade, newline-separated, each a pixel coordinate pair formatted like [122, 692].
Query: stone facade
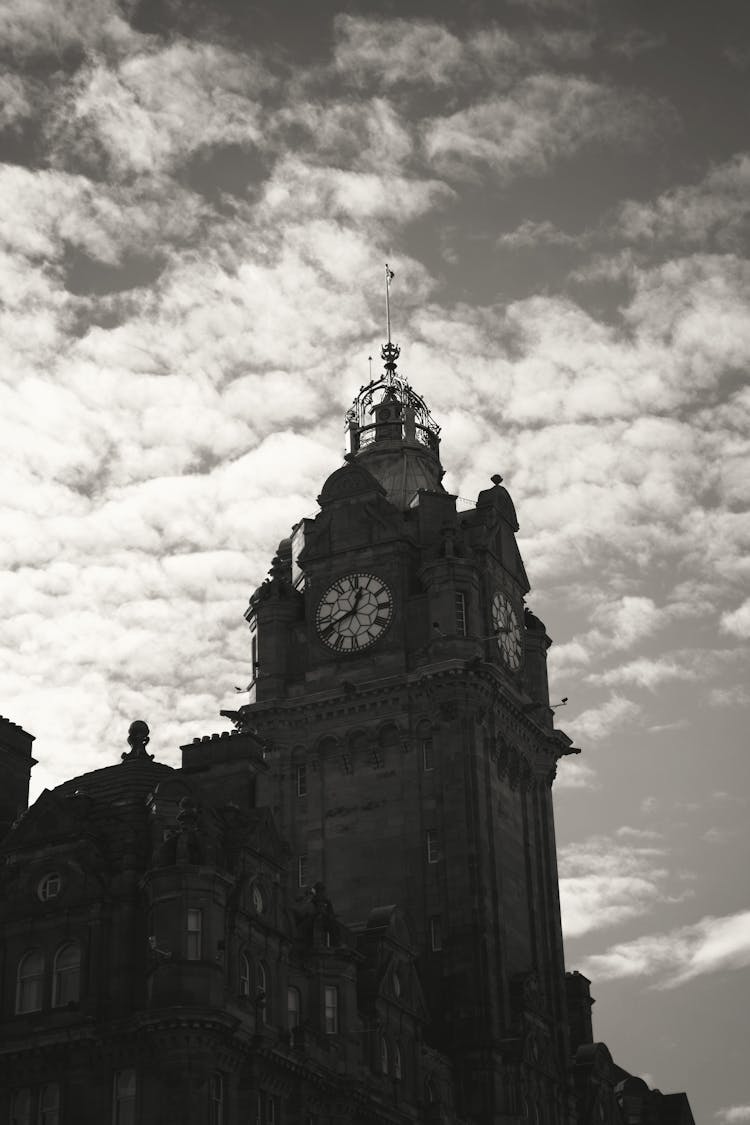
[170, 952]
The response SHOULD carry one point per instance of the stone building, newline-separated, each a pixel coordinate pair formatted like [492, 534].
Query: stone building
[346, 909]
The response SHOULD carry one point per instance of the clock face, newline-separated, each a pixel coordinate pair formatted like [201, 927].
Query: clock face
[257, 897]
[505, 624]
[354, 612]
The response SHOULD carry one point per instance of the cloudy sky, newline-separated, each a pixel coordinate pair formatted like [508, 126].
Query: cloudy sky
[196, 201]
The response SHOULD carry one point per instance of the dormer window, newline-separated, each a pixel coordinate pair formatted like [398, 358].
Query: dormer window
[49, 887]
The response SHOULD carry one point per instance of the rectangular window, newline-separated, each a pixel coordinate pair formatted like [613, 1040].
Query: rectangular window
[194, 945]
[301, 870]
[427, 760]
[433, 850]
[436, 934]
[461, 613]
[331, 1009]
[270, 1110]
[254, 656]
[123, 1097]
[301, 778]
[292, 1007]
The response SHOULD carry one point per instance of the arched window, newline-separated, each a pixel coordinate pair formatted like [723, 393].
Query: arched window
[20, 1108]
[123, 1097]
[30, 980]
[244, 975]
[66, 975]
[397, 1066]
[263, 992]
[217, 1099]
[49, 1105]
[293, 1006]
[383, 1056]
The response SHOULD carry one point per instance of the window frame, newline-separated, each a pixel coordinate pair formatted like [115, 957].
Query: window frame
[49, 886]
[23, 981]
[385, 1060]
[216, 1104]
[300, 777]
[331, 1009]
[433, 845]
[60, 976]
[302, 872]
[244, 974]
[436, 933]
[194, 934]
[20, 1115]
[49, 1114]
[125, 1099]
[262, 985]
[461, 619]
[428, 758]
[293, 1013]
[398, 1065]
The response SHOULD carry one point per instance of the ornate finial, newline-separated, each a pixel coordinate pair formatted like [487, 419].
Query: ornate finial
[138, 737]
[389, 353]
[496, 478]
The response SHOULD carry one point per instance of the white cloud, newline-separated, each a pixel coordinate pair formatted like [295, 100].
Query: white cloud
[730, 1114]
[596, 723]
[531, 233]
[737, 622]
[575, 775]
[629, 833]
[604, 882]
[736, 695]
[544, 118]
[396, 51]
[713, 211]
[680, 955]
[160, 106]
[33, 28]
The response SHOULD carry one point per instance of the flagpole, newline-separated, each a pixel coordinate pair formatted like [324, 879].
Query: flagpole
[388, 276]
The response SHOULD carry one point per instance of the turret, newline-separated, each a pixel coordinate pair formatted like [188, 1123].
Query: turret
[15, 771]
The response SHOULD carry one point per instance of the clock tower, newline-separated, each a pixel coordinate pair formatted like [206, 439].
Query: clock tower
[399, 687]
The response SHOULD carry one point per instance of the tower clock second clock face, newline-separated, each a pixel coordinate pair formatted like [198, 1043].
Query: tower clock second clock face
[354, 612]
[505, 625]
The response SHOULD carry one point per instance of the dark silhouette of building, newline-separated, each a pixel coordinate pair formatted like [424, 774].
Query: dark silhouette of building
[170, 951]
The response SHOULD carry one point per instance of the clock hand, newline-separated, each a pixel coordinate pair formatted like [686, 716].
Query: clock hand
[349, 613]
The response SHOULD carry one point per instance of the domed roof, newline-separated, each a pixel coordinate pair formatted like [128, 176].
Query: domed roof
[393, 435]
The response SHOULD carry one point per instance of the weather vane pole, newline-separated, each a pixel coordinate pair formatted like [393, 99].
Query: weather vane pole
[389, 275]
